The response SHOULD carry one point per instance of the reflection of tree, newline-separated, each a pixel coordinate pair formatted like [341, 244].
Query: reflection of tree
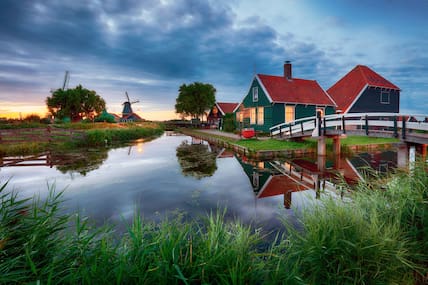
[81, 162]
[196, 160]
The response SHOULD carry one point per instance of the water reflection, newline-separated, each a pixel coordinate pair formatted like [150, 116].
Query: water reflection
[80, 162]
[110, 185]
[196, 158]
[320, 174]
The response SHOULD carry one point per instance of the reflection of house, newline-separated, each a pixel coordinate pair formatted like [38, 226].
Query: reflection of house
[268, 182]
[218, 111]
[280, 185]
[363, 90]
[380, 162]
[273, 100]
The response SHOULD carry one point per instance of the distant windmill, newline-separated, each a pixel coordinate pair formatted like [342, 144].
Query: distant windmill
[127, 108]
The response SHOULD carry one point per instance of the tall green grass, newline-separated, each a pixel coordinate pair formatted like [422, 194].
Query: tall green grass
[378, 238]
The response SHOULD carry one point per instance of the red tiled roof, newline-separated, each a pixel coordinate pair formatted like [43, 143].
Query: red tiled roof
[344, 91]
[226, 108]
[299, 91]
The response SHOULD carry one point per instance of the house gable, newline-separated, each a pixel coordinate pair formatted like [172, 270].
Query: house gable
[370, 100]
[349, 90]
[263, 97]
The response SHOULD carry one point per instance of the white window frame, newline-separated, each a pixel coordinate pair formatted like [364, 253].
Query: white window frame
[382, 93]
[260, 115]
[253, 117]
[255, 94]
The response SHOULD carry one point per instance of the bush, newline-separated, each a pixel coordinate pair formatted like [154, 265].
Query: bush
[228, 123]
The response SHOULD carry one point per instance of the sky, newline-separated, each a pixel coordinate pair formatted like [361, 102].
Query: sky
[149, 48]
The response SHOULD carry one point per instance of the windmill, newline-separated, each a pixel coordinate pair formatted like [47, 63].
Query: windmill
[127, 108]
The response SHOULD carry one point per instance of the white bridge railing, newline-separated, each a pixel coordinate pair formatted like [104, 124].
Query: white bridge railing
[394, 123]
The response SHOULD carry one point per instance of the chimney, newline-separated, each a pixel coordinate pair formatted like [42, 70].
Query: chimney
[287, 70]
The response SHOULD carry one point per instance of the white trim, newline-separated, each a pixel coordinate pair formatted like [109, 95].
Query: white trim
[255, 90]
[221, 110]
[237, 107]
[263, 88]
[356, 98]
[354, 169]
[264, 186]
[389, 97]
[331, 99]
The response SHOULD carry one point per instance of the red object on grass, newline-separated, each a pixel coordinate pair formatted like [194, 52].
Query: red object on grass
[248, 133]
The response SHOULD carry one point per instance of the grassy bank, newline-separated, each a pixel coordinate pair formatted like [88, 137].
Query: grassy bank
[379, 238]
[273, 144]
[95, 135]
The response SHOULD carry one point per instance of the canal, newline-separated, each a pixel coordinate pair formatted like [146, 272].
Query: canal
[178, 174]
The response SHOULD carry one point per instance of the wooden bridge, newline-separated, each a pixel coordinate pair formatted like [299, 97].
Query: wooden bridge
[409, 128]
[412, 130]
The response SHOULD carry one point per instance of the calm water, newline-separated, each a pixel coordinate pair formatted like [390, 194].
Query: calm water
[163, 176]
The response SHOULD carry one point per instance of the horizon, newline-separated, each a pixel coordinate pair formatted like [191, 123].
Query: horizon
[150, 48]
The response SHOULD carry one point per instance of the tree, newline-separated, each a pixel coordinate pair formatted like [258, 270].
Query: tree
[195, 99]
[76, 104]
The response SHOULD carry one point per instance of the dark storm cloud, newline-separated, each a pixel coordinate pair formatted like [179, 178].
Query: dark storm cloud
[151, 47]
[177, 40]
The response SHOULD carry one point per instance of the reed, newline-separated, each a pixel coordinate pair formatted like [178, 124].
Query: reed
[22, 148]
[380, 237]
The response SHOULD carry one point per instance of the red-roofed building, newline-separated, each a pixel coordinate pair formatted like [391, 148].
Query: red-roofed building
[273, 100]
[218, 111]
[362, 90]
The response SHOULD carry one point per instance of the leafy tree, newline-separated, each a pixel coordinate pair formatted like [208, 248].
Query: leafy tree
[194, 99]
[75, 104]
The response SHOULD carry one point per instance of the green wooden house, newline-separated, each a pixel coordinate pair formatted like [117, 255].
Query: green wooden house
[272, 100]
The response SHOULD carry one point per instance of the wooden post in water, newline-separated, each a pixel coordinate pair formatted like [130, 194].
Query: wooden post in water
[321, 146]
[336, 146]
[424, 151]
[287, 199]
[402, 155]
[321, 160]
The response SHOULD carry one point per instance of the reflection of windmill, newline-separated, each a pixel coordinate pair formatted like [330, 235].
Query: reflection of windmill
[127, 108]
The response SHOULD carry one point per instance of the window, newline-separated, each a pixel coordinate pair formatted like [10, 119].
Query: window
[252, 116]
[260, 116]
[255, 94]
[384, 97]
[289, 113]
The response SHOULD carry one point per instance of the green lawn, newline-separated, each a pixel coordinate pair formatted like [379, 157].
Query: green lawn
[273, 144]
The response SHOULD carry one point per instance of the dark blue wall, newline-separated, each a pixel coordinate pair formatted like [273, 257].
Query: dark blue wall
[369, 101]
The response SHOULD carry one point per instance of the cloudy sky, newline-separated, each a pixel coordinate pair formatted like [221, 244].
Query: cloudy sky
[150, 47]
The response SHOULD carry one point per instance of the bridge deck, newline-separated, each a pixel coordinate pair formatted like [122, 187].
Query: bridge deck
[409, 128]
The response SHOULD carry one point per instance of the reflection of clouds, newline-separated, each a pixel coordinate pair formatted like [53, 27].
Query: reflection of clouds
[151, 183]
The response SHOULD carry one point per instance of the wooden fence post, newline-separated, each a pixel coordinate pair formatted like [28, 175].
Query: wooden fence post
[343, 125]
[403, 129]
[395, 127]
[367, 124]
[325, 127]
[49, 133]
